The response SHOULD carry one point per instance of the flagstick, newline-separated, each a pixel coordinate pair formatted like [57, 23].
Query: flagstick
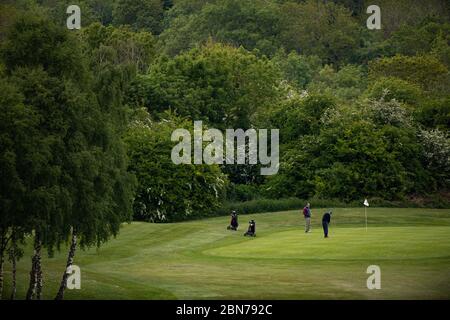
[365, 214]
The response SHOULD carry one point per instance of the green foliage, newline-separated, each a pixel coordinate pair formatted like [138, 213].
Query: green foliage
[319, 28]
[435, 113]
[86, 116]
[32, 41]
[294, 177]
[169, 192]
[436, 154]
[19, 151]
[372, 149]
[140, 14]
[395, 88]
[91, 10]
[425, 70]
[118, 46]
[388, 112]
[8, 14]
[409, 14]
[361, 164]
[345, 84]
[74, 170]
[441, 49]
[299, 70]
[242, 192]
[217, 83]
[357, 109]
[411, 40]
[283, 204]
[299, 116]
[251, 24]
[260, 205]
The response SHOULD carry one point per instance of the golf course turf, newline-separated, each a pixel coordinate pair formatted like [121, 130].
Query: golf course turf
[202, 260]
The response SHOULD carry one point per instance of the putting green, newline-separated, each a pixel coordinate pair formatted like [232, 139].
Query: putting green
[345, 244]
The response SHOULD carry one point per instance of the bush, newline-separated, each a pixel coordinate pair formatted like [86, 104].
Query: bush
[393, 88]
[242, 192]
[168, 192]
[424, 70]
[270, 205]
[435, 114]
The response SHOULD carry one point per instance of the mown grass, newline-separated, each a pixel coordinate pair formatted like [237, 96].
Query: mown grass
[202, 260]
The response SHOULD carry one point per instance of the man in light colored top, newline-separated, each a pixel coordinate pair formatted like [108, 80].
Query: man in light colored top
[307, 215]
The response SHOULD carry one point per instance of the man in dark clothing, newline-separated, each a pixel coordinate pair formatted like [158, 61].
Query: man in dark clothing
[325, 222]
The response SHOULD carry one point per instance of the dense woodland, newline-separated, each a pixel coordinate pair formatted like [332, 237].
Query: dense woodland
[87, 115]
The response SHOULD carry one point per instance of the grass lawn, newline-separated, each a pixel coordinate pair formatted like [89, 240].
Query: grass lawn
[202, 260]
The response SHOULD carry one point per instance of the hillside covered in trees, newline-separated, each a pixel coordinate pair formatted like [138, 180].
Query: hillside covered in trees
[87, 114]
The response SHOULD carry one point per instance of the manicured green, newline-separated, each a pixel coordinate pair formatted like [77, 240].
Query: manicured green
[202, 260]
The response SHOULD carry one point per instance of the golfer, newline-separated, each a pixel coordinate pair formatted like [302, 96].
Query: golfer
[307, 215]
[325, 222]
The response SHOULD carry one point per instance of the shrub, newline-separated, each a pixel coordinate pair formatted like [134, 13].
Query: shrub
[169, 192]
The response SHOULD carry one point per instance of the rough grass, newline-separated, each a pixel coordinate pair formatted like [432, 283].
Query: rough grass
[202, 260]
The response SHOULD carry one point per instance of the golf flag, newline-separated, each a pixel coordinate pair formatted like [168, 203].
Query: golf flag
[366, 203]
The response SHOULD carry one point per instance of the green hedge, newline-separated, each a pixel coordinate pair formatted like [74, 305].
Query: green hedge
[272, 205]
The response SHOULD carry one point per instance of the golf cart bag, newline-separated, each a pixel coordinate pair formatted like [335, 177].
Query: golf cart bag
[251, 232]
[234, 222]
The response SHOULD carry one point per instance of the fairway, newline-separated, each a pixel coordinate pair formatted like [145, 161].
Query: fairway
[202, 260]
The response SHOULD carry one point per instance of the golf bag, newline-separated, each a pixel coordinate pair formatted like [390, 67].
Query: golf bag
[251, 232]
[234, 222]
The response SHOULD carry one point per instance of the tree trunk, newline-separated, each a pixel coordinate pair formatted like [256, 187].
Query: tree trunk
[3, 245]
[39, 281]
[63, 285]
[2, 254]
[14, 271]
[1, 274]
[35, 267]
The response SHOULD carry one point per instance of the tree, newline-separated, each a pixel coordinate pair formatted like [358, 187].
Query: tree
[411, 39]
[395, 88]
[346, 84]
[434, 113]
[250, 24]
[297, 117]
[16, 122]
[140, 14]
[7, 16]
[97, 160]
[436, 156]
[424, 70]
[299, 70]
[441, 48]
[400, 13]
[168, 192]
[368, 148]
[299, 121]
[319, 28]
[37, 56]
[220, 84]
[75, 180]
[361, 163]
[118, 46]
